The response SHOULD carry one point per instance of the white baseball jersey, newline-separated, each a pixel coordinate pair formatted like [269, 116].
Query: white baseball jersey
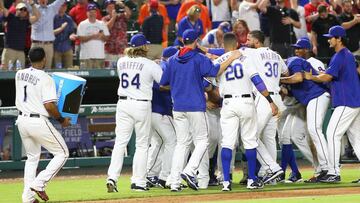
[269, 65]
[210, 34]
[34, 88]
[137, 76]
[316, 64]
[236, 78]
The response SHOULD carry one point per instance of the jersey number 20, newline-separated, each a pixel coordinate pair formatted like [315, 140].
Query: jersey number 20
[233, 72]
[135, 81]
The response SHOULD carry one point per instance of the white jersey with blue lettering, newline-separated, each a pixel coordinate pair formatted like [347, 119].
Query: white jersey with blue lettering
[137, 76]
[236, 78]
[316, 64]
[269, 65]
[34, 88]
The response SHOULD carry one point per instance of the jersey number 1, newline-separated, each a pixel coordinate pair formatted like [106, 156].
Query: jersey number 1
[25, 94]
[125, 82]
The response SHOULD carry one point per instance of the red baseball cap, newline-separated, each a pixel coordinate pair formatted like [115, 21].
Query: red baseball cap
[154, 4]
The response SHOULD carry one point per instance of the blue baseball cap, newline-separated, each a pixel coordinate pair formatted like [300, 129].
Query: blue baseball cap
[225, 27]
[169, 51]
[138, 40]
[91, 7]
[107, 2]
[189, 35]
[336, 31]
[302, 43]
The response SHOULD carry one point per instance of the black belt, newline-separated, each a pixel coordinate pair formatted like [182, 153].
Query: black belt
[226, 96]
[125, 98]
[30, 115]
[42, 42]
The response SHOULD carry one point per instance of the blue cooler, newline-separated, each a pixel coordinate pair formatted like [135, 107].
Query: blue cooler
[70, 90]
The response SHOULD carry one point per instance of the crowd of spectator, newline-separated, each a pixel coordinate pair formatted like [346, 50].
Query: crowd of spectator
[94, 34]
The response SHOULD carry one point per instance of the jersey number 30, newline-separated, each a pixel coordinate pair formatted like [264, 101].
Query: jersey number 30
[272, 69]
[233, 72]
[135, 81]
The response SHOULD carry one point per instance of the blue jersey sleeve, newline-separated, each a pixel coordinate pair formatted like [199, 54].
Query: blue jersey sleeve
[216, 51]
[181, 28]
[165, 78]
[211, 39]
[334, 67]
[207, 68]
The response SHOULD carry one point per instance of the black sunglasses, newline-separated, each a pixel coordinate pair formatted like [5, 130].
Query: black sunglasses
[22, 9]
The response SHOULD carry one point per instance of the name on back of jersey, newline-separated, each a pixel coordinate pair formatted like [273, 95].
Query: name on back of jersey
[132, 65]
[269, 56]
[27, 77]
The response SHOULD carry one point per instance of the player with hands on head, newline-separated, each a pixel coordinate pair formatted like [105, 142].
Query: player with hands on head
[36, 102]
[137, 74]
[185, 73]
[345, 98]
[238, 111]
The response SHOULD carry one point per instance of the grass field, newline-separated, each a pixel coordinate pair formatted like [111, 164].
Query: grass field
[80, 188]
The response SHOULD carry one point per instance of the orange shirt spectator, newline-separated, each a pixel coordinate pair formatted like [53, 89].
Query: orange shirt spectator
[145, 12]
[204, 15]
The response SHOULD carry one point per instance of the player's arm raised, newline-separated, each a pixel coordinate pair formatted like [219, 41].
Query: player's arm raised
[260, 86]
[52, 109]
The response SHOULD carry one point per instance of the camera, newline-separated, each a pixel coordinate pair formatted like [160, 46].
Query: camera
[120, 8]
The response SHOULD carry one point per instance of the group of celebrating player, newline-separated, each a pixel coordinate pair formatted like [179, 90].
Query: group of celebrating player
[197, 104]
[189, 103]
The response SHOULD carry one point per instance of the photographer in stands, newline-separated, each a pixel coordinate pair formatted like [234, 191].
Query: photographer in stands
[116, 21]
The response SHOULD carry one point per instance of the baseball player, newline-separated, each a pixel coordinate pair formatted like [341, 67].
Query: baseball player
[316, 99]
[214, 38]
[36, 101]
[163, 138]
[270, 66]
[184, 74]
[238, 111]
[133, 110]
[345, 98]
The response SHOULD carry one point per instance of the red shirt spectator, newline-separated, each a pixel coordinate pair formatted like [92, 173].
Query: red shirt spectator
[311, 13]
[204, 15]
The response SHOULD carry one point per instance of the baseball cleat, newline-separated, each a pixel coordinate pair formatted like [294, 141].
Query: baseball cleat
[111, 186]
[41, 194]
[226, 186]
[213, 182]
[152, 181]
[175, 188]
[271, 176]
[294, 178]
[244, 179]
[257, 184]
[162, 184]
[138, 188]
[330, 179]
[190, 180]
[356, 181]
[281, 178]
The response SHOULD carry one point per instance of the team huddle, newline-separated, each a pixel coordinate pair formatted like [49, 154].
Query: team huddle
[192, 109]
[242, 98]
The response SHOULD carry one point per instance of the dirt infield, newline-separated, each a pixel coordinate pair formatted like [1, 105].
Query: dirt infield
[242, 196]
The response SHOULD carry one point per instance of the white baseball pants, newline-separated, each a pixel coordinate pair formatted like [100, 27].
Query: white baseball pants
[36, 133]
[315, 114]
[190, 127]
[163, 142]
[344, 119]
[131, 114]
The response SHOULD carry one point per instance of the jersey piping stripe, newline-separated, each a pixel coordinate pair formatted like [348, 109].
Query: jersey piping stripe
[62, 164]
[157, 154]
[207, 135]
[317, 133]
[333, 136]
[172, 124]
